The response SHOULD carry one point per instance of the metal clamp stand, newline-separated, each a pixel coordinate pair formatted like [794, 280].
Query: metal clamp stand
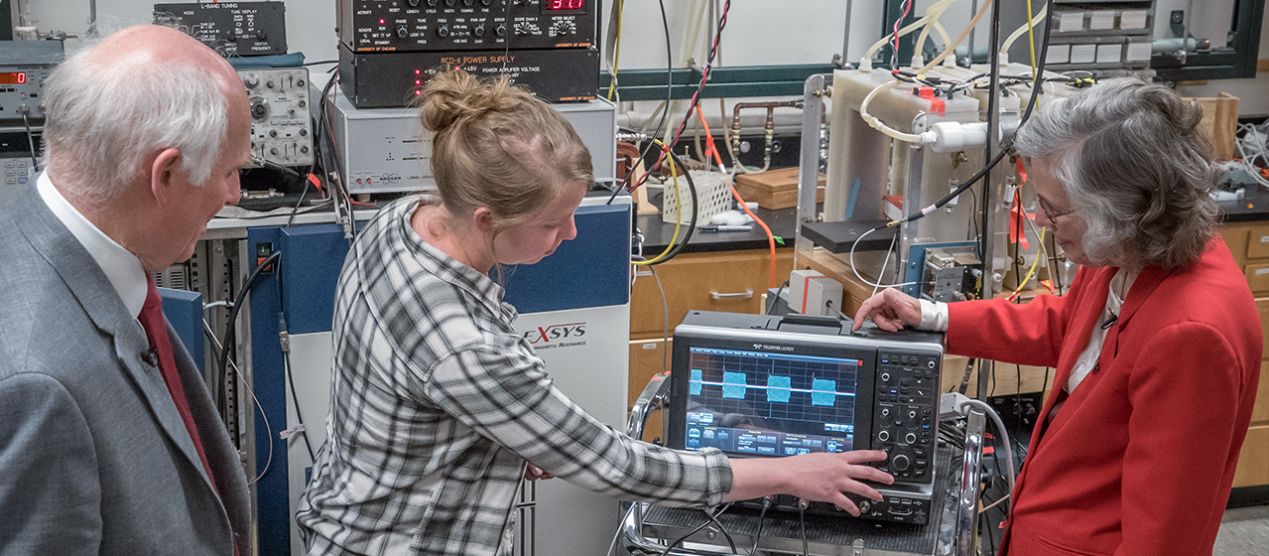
[955, 527]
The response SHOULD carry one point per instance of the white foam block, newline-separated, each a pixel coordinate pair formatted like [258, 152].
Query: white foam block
[1101, 20]
[1059, 54]
[1110, 53]
[1138, 52]
[1083, 53]
[1133, 19]
[1070, 22]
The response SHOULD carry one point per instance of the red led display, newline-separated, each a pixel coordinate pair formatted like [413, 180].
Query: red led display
[17, 78]
[566, 4]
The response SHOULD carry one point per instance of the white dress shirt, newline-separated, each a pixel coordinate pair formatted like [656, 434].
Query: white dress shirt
[934, 317]
[121, 267]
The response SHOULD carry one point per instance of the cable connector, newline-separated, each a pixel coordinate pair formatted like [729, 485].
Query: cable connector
[284, 337]
[632, 136]
[948, 137]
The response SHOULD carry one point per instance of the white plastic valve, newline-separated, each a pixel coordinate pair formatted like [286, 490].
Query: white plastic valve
[865, 65]
[947, 137]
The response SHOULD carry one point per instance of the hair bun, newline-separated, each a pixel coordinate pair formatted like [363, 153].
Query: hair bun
[454, 97]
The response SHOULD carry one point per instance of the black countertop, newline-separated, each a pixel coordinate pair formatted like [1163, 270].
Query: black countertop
[657, 234]
[1253, 207]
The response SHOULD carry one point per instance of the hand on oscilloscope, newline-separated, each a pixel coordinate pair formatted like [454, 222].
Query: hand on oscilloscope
[891, 310]
[819, 477]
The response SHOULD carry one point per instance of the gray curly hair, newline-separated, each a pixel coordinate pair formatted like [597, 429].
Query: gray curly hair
[1136, 168]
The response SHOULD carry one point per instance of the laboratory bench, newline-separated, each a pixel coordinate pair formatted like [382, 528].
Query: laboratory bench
[727, 271]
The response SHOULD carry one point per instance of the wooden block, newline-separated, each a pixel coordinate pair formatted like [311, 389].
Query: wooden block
[1253, 461]
[1262, 304]
[776, 189]
[1258, 278]
[1220, 123]
[1260, 412]
[1236, 238]
[1257, 242]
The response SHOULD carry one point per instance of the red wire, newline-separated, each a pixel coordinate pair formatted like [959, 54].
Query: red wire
[897, 23]
[722, 22]
[710, 149]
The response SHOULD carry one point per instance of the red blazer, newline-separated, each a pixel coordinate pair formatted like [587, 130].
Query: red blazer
[1140, 458]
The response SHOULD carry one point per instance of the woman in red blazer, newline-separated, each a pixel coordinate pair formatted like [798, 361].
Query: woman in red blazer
[1157, 345]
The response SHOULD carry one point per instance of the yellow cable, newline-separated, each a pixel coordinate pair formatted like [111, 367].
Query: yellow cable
[1035, 79]
[1031, 272]
[1023, 215]
[616, 59]
[678, 223]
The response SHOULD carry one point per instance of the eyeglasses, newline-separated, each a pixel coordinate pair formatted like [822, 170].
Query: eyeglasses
[1051, 214]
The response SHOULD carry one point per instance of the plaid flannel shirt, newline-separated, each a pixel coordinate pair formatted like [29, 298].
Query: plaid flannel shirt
[436, 404]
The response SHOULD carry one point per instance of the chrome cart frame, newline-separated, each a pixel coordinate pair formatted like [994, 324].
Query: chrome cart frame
[956, 525]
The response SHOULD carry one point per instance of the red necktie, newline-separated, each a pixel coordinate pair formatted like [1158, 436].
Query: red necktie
[156, 331]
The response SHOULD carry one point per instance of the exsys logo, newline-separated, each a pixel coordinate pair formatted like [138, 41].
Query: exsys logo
[557, 335]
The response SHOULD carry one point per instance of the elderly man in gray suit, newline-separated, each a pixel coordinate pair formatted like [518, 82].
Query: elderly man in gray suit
[109, 443]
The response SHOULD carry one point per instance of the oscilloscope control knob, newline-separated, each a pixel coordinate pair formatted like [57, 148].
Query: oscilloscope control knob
[864, 506]
[885, 377]
[443, 31]
[402, 32]
[885, 412]
[500, 30]
[900, 463]
[910, 438]
[251, 81]
[479, 30]
[414, 3]
[883, 436]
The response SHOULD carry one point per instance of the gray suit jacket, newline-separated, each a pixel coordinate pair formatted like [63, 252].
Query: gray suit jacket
[94, 457]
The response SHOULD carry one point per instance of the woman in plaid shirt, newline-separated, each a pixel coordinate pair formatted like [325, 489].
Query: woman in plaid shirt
[438, 407]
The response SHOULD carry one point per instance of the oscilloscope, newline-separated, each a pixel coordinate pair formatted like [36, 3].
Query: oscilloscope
[769, 386]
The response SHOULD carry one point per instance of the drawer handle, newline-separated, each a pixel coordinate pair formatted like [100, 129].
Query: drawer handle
[740, 295]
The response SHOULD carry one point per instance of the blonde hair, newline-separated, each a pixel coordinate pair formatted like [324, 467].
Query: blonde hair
[498, 146]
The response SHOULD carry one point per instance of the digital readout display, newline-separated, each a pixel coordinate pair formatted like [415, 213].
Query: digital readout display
[564, 4]
[14, 78]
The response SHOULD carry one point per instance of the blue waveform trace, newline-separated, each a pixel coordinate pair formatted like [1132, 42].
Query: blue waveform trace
[734, 385]
[779, 388]
[823, 392]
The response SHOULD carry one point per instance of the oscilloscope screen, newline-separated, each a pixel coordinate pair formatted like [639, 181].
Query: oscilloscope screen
[770, 404]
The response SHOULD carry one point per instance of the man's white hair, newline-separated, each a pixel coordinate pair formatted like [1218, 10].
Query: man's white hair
[104, 120]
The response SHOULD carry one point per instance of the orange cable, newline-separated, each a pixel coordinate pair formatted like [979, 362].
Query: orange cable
[710, 149]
